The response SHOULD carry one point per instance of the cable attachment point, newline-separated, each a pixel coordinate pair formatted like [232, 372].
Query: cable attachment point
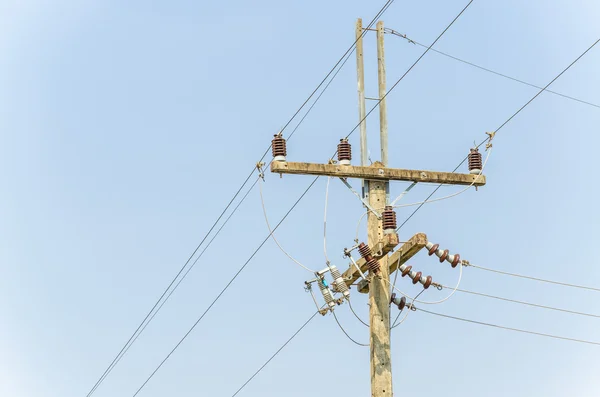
[261, 172]
[491, 135]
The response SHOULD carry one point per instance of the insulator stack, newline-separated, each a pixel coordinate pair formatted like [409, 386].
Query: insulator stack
[365, 252]
[417, 277]
[389, 220]
[278, 146]
[400, 302]
[475, 164]
[444, 255]
[338, 282]
[344, 152]
[327, 295]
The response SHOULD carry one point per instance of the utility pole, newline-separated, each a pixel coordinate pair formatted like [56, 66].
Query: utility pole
[377, 257]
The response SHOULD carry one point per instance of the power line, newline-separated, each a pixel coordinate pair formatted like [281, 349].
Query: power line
[224, 289]
[395, 33]
[345, 333]
[150, 315]
[511, 329]
[535, 278]
[502, 125]
[526, 303]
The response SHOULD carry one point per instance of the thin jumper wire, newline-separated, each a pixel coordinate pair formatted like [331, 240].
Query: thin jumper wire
[510, 328]
[224, 289]
[262, 201]
[394, 325]
[410, 68]
[395, 33]
[503, 124]
[356, 315]
[527, 303]
[344, 331]
[535, 278]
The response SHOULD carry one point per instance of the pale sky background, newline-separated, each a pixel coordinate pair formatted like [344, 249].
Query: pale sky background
[127, 126]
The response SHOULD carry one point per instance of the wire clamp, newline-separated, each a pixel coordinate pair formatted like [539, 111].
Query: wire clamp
[491, 135]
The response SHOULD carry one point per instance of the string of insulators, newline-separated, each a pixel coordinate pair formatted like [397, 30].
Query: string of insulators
[417, 277]
[475, 163]
[278, 147]
[389, 219]
[338, 282]
[400, 302]
[365, 252]
[344, 152]
[327, 294]
[444, 255]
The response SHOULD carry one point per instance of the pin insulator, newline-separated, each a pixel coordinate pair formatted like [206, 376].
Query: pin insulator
[364, 250]
[389, 218]
[373, 265]
[278, 147]
[344, 152]
[475, 163]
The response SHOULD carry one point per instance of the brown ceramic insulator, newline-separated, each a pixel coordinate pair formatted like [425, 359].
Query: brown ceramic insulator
[344, 150]
[428, 282]
[406, 270]
[389, 218]
[475, 160]
[373, 265]
[392, 297]
[365, 251]
[278, 146]
[402, 303]
[444, 256]
[417, 277]
[433, 249]
[456, 260]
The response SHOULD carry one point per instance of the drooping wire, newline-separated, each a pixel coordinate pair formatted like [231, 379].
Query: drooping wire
[150, 315]
[535, 278]
[262, 201]
[395, 33]
[394, 325]
[224, 289]
[502, 125]
[510, 328]
[345, 333]
[356, 315]
[527, 303]
[275, 354]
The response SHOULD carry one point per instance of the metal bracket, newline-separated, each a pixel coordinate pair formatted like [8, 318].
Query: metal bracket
[366, 203]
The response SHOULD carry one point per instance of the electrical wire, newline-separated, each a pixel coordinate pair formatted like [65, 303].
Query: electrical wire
[535, 278]
[356, 315]
[344, 331]
[150, 315]
[275, 354]
[325, 221]
[224, 289]
[439, 301]
[527, 303]
[395, 33]
[394, 325]
[262, 201]
[502, 125]
[510, 328]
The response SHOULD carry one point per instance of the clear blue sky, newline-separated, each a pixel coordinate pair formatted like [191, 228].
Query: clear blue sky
[126, 126]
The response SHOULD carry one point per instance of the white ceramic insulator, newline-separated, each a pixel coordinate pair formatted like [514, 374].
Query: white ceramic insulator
[402, 267]
[423, 280]
[439, 252]
[450, 258]
[429, 245]
[397, 300]
[344, 162]
[475, 171]
[279, 158]
[412, 274]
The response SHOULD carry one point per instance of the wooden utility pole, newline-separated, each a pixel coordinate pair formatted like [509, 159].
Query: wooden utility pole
[376, 178]
[379, 294]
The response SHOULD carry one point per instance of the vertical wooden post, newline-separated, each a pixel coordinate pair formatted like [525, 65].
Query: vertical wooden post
[362, 111]
[383, 127]
[379, 303]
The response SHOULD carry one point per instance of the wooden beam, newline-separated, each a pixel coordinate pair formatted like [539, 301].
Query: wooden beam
[404, 253]
[376, 172]
[390, 241]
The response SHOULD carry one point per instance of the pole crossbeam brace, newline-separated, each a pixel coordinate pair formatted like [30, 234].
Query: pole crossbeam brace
[404, 253]
[390, 241]
[376, 172]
